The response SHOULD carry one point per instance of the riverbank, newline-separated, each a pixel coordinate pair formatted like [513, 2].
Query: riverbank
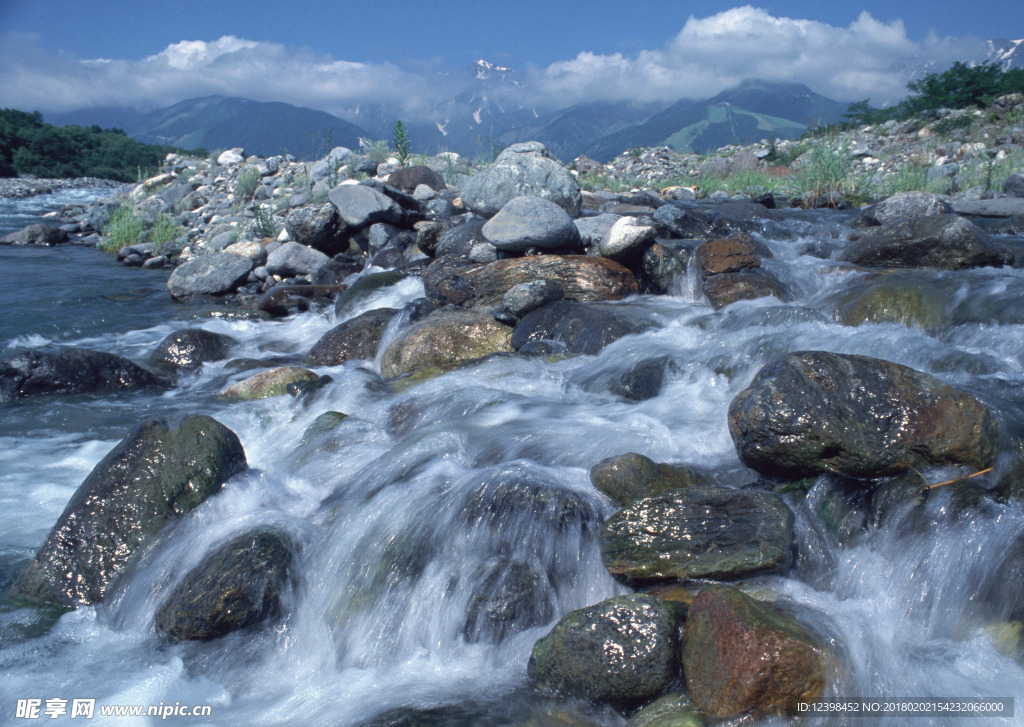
[22, 187]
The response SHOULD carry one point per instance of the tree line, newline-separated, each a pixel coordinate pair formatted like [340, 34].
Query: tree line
[961, 86]
[29, 146]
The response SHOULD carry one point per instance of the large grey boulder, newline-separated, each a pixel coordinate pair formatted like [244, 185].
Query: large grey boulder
[156, 474]
[526, 222]
[70, 371]
[813, 412]
[946, 242]
[522, 169]
[360, 205]
[902, 206]
[238, 585]
[293, 259]
[621, 650]
[216, 274]
[701, 531]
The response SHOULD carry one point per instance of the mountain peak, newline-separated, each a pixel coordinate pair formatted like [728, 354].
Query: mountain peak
[482, 70]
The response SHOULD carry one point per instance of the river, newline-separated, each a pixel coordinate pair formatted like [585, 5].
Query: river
[423, 491]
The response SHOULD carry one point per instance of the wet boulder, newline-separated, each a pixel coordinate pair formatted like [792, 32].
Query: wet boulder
[628, 477]
[216, 274]
[660, 267]
[531, 222]
[626, 240]
[522, 169]
[947, 242]
[159, 472]
[898, 297]
[731, 255]
[813, 412]
[574, 327]
[722, 290]
[701, 531]
[70, 371]
[512, 597]
[621, 650]
[671, 710]
[273, 382]
[581, 278]
[742, 656]
[902, 206]
[191, 347]
[319, 227]
[445, 339]
[643, 380]
[355, 338]
[365, 286]
[238, 585]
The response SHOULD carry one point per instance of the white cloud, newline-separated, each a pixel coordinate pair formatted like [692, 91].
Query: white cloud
[867, 59]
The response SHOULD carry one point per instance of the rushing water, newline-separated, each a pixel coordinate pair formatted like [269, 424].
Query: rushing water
[425, 495]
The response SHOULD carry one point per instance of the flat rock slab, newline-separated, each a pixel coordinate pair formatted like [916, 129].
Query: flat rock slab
[699, 532]
[813, 412]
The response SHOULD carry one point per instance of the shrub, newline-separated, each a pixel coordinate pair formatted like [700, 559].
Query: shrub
[123, 229]
[264, 225]
[246, 184]
[376, 150]
[163, 232]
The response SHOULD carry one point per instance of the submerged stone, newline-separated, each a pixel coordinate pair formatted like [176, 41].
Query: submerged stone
[631, 476]
[236, 586]
[445, 339]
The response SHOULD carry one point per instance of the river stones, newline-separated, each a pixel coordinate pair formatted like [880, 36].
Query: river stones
[621, 650]
[902, 206]
[626, 240]
[157, 473]
[701, 531]
[671, 710]
[445, 339]
[947, 242]
[741, 656]
[582, 278]
[899, 297]
[191, 347]
[812, 412]
[573, 327]
[361, 205]
[70, 371]
[214, 274]
[273, 382]
[407, 179]
[522, 169]
[531, 222]
[319, 227]
[293, 259]
[355, 338]
[643, 380]
[42, 235]
[512, 597]
[237, 585]
[631, 476]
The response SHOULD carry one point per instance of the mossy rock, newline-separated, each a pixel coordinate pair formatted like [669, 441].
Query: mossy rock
[631, 476]
[274, 382]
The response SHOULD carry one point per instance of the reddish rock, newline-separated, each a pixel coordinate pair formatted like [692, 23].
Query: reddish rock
[740, 655]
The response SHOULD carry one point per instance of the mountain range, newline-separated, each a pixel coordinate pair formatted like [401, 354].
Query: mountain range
[486, 111]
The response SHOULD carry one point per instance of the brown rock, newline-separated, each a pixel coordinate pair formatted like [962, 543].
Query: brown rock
[581, 277]
[741, 656]
[749, 284]
[715, 257]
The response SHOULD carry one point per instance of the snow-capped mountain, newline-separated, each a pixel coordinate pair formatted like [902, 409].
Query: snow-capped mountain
[1008, 54]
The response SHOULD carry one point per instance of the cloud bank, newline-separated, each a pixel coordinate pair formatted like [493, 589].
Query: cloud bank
[867, 59]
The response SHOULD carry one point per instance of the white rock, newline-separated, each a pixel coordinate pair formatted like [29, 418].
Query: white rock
[231, 157]
[626, 238]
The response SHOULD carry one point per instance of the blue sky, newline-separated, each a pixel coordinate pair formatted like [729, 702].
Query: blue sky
[336, 55]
